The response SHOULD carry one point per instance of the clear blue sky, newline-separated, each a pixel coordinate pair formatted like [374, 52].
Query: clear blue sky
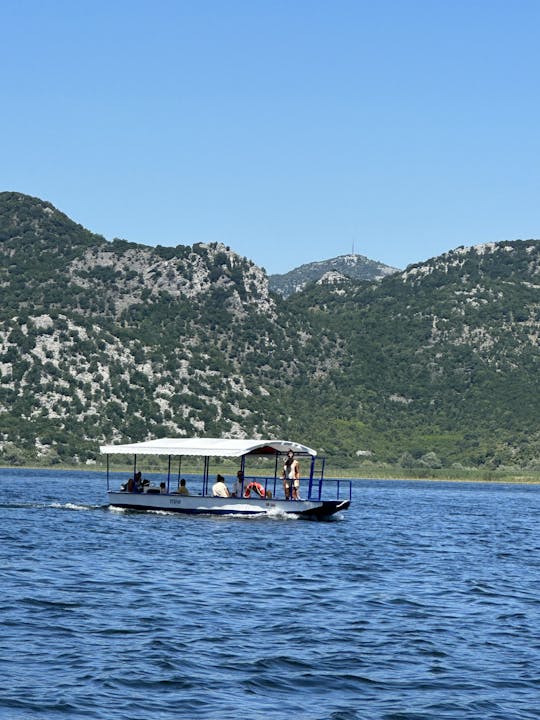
[286, 129]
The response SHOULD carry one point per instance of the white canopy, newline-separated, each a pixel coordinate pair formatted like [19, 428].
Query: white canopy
[206, 447]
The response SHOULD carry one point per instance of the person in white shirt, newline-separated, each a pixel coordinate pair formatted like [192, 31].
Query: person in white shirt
[219, 489]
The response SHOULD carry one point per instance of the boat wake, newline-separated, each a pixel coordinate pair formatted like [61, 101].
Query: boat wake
[53, 505]
[277, 514]
[72, 506]
[272, 514]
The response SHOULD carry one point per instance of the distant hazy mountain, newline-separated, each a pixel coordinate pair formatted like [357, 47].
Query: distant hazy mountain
[355, 267]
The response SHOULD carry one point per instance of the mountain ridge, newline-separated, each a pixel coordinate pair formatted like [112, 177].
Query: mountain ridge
[112, 341]
[353, 266]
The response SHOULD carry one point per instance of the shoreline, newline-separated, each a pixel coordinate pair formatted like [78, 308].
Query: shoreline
[347, 474]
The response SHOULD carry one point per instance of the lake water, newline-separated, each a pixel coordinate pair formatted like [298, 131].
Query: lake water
[421, 601]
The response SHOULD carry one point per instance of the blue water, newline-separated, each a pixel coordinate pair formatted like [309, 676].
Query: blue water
[421, 601]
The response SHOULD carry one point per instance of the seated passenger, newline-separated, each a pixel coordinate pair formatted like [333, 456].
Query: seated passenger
[140, 484]
[219, 489]
[134, 484]
[182, 489]
[238, 487]
[162, 487]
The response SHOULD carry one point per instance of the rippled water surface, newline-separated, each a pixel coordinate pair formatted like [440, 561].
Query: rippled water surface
[421, 601]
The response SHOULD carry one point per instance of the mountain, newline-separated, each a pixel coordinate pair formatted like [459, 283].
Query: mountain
[354, 266]
[116, 341]
[443, 357]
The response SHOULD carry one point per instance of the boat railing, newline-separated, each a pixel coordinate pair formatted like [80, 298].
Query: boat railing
[317, 489]
[330, 489]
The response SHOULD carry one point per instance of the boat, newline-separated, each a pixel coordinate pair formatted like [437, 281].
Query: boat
[260, 489]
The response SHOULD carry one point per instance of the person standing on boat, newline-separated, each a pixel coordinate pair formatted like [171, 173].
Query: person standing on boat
[291, 477]
[219, 489]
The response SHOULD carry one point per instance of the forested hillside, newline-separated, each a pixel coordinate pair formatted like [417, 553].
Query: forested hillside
[443, 358]
[105, 341]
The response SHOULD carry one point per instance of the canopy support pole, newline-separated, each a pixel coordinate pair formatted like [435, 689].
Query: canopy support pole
[206, 471]
[311, 470]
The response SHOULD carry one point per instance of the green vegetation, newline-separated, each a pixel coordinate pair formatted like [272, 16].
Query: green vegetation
[434, 371]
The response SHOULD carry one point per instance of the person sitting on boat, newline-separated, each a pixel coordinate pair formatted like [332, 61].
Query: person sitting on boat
[162, 487]
[138, 482]
[182, 488]
[291, 477]
[219, 488]
[238, 484]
